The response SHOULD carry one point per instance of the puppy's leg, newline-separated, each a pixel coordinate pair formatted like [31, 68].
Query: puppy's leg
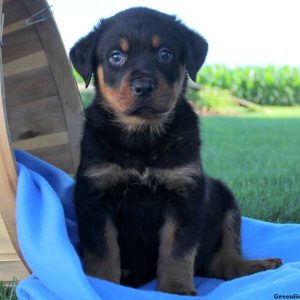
[107, 264]
[174, 272]
[227, 262]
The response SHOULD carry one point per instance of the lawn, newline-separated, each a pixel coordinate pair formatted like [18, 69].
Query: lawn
[258, 156]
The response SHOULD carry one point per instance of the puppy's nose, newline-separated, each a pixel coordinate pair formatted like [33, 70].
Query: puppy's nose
[142, 87]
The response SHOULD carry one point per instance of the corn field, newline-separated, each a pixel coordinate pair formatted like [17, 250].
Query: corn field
[268, 85]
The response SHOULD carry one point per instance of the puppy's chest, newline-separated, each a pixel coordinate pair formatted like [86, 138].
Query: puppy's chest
[177, 178]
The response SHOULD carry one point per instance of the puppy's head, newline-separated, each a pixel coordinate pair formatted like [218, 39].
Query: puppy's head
[139, 58]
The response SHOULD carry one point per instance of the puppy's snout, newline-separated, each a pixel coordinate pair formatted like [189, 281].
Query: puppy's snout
[142, 87]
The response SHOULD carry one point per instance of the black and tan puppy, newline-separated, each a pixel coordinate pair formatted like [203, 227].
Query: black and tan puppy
[145, 206]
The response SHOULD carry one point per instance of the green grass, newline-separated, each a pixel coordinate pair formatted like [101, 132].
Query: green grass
[7, 291]
[258, 156]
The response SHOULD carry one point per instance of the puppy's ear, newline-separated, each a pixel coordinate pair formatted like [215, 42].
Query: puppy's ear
[82, 56]
[196, 47]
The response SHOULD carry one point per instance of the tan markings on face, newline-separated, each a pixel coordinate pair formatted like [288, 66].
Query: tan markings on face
[108, 267]
[124, 44]
[174, 273]
[176, 179]
[156, 41]
[118, 99]
[164, 98]
[166, 95]
[136, 124]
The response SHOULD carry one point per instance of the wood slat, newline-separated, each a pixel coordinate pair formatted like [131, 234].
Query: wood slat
[59, 156]
[14, 11]
[5, 243]
[44, 141]
[20, 43]
[26, 63]
[12, 269]
[8, 175]
[35, 119]
[6, 246]
[14, 26]
[9, 257]
[60, 68]
[29, 86]
[3, 231]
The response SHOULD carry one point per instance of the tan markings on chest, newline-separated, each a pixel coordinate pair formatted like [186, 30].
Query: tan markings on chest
[107, 175]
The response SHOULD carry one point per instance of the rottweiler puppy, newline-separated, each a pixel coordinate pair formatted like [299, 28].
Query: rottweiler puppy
[145, 207]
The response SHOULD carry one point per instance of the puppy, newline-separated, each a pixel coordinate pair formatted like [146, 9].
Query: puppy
[145, 207]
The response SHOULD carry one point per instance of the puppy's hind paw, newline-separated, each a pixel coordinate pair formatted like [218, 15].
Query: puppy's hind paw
[267, 264]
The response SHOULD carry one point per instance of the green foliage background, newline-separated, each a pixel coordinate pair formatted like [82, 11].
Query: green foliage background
[269, 85]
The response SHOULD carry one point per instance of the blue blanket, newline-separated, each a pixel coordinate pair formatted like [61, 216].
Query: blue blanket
[47, 233]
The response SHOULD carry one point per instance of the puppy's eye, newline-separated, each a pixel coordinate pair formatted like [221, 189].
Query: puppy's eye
[165, 55]
[117, 58]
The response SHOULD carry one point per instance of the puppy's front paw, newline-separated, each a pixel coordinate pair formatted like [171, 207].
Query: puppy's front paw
[178, 289]
[107, 268]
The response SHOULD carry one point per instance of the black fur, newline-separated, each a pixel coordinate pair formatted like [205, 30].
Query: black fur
[137, 210]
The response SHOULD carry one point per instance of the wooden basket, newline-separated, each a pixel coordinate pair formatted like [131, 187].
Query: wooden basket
[40, 106]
